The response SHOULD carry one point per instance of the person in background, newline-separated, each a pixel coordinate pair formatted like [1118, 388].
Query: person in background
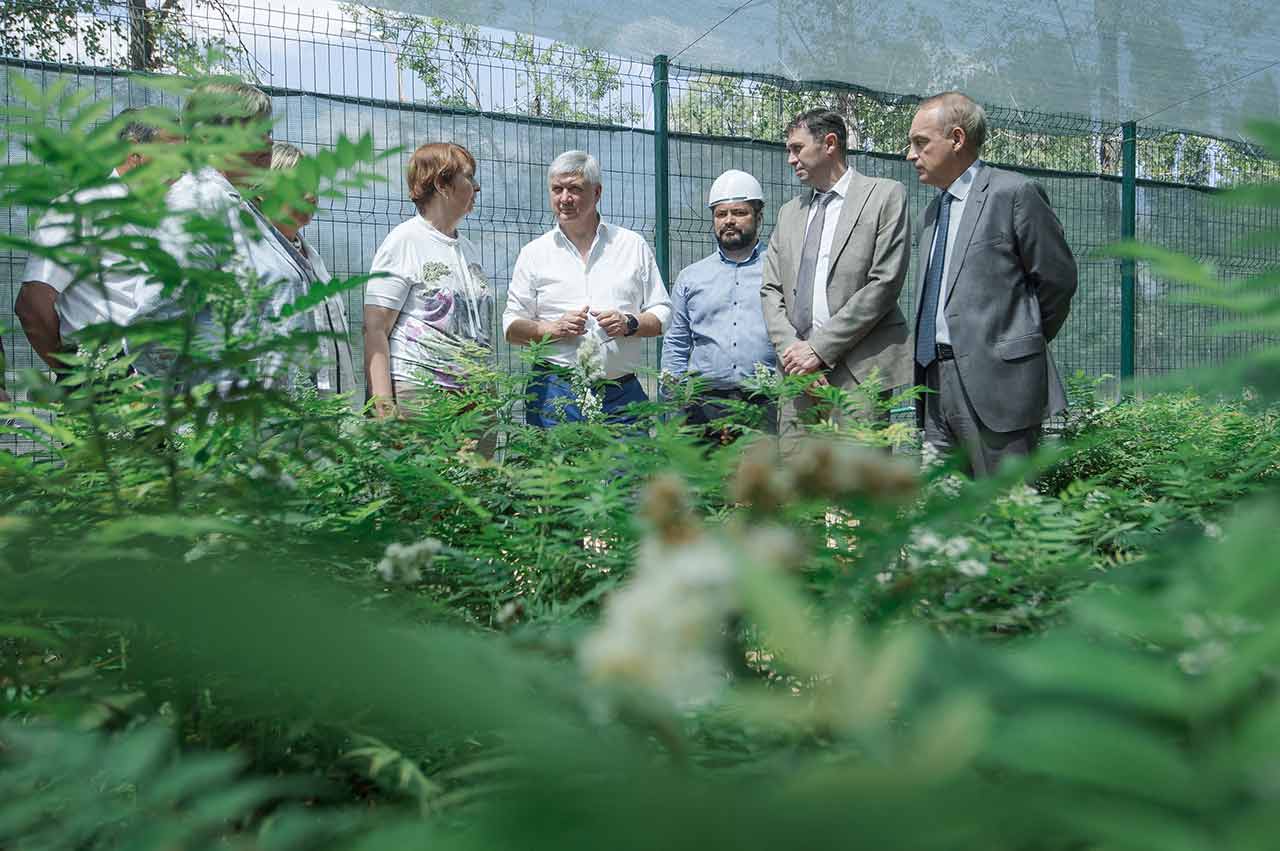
[584, 276]
[335, 372]
[264, 267]
[996, 281]
[51, 310]
[837, 261]
[717, 328]
[428, 318]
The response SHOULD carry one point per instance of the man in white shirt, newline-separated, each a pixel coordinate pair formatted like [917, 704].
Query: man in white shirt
[836, 264]
[592, 289]
[53, 311]
[265, 274]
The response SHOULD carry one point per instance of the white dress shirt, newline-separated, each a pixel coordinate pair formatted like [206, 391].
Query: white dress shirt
[822, 269]
[109, 298]
[620, 273]
[959, 190]
[257, 259]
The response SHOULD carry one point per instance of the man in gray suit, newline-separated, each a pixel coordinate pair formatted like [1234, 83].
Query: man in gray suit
[836, 263]
[995, 284]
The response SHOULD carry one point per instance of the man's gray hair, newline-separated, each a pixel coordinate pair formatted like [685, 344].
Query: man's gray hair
[960, 110]
[575, 162]
[227, 102]
[284, 156]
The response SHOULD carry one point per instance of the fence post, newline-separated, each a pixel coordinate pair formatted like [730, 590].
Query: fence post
[1128, 229]
[661, 168]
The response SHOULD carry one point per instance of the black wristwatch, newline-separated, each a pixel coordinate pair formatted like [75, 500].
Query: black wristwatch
[633, 324]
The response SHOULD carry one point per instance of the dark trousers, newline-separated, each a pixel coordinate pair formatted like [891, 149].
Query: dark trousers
[551, 399]
[714, 405]
[951, 423]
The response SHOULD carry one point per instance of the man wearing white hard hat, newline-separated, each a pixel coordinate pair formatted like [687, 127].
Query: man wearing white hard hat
[717, 327]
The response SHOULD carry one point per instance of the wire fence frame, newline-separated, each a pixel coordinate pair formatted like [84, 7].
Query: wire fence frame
[663, 131]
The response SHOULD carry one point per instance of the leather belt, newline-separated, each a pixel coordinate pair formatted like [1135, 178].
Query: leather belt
[945, 352]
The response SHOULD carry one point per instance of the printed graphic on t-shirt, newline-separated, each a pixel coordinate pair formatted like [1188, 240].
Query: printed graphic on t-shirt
[451, 332]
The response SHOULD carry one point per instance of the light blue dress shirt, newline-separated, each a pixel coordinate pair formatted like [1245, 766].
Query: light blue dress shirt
[717, 322]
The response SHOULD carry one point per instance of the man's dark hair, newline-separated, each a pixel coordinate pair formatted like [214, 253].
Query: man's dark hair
[136, 130]
[820, 122]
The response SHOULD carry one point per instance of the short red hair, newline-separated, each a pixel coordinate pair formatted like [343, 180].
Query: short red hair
[433, 165]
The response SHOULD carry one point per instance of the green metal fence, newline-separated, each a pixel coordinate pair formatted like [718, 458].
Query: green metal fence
[663, 132]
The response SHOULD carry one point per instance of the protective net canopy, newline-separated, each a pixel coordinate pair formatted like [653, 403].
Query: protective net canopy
[1197, 65]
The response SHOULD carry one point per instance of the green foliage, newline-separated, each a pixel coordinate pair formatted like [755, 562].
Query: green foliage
[65, 789]
[209, 593]
[159, 36]
[553, 80]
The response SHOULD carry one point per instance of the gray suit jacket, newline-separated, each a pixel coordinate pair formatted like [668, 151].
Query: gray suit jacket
[869, 257]
[1007, 294]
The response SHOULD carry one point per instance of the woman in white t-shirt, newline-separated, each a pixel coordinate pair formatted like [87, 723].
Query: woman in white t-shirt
[429, 318]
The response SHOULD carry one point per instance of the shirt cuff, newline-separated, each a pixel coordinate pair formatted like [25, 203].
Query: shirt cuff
[663, 312]
[45, 271]
[386, 300]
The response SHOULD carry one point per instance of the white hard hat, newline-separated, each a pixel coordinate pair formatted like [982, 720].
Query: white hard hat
[735, 185]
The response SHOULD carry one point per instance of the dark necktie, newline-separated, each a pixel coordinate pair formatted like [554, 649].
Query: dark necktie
[802, 303]
[927, 329]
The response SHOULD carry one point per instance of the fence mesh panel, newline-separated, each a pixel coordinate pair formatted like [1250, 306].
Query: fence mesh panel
[516, 102]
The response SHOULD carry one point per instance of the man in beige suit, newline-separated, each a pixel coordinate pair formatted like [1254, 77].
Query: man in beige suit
[836, 264]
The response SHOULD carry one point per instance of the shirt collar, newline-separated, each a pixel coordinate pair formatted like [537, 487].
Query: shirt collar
[841, 187]
[435, 232]
[959, 188]
[755, 255]
[602, 230]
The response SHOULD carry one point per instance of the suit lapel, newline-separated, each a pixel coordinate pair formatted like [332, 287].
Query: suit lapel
[854, 202]
[972, 212]
[794, 236]
[924, 249]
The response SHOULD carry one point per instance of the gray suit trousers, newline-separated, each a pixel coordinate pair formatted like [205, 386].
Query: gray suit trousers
[950, 423]
[793, 413]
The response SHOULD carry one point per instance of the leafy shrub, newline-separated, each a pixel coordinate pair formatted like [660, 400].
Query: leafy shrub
[548, 648]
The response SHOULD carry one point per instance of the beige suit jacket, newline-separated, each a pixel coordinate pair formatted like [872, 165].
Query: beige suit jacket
[869, 258]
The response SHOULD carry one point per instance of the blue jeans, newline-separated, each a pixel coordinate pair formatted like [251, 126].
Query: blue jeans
[547, 386]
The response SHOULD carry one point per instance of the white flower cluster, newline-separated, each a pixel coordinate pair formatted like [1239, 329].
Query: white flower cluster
[1023, 496]
[259, 473]
[927, 549]
[663, 631]
[590, 405]
[404, 562]
[930, 456]
[1096, 499]
[590, 359]
[588, 370]
[765, 378]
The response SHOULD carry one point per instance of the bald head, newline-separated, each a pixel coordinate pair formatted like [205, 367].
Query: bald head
[946, 136]
[956, 109]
